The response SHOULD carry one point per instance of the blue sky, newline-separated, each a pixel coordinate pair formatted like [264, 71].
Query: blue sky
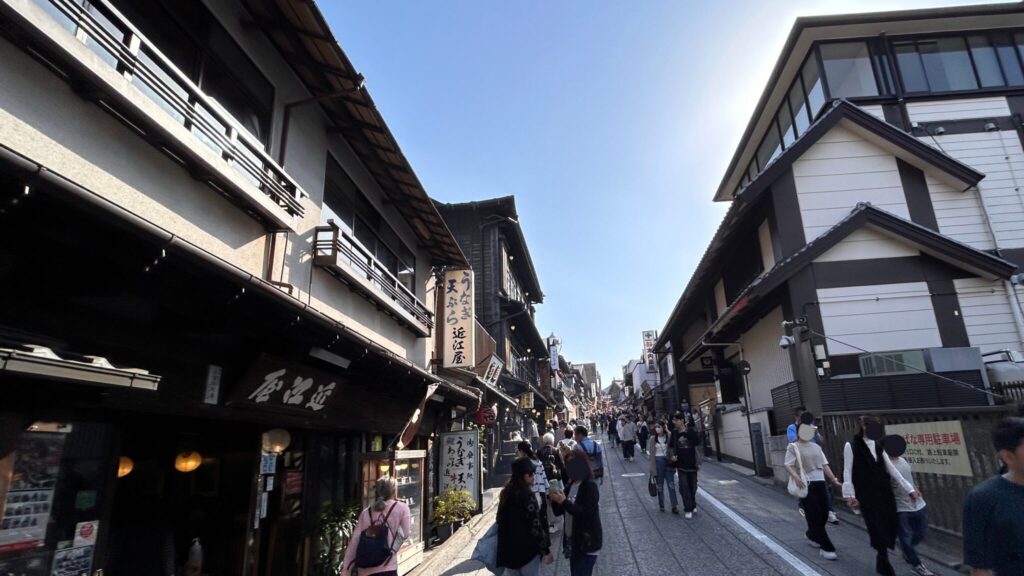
[611, 122]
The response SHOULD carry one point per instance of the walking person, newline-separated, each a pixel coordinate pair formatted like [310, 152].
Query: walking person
[642, 434]
[540, 479]
[580, 505]
[664, 475]
[613, 431]
[791, 436]
[807, 457]
[912, 514]
[523, 541]
[627, 434]
[868, 477]
[994, 510]
[682, 451]
[554, 470]
[376, 530]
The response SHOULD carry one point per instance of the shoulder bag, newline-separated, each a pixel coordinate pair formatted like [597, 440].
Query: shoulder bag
[795, 490]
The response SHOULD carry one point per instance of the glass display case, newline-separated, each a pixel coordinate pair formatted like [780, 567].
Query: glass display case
[408, 471]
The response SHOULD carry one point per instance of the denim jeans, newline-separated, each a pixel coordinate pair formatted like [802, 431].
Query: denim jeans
[582, 564]
[913, 527]
[531, 568]
[666, 479]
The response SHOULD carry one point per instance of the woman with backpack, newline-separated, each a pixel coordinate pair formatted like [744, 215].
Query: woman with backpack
[579, 503]
[372, 548]
[663, 474]
[523, 540]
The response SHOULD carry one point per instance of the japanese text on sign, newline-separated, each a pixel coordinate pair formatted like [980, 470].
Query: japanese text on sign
[650, 337]
[935, 447]
[460, 462]
[458, 328]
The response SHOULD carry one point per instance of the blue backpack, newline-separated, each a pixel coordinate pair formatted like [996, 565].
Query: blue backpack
[596, 458]
[374, 548]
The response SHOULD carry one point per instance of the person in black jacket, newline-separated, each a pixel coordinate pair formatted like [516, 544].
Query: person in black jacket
[581, 499]
[522, 538]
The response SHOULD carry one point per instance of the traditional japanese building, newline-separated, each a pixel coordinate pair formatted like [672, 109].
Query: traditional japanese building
[218, 273]
[875, 208]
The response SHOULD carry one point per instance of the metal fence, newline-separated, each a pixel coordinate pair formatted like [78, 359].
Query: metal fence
[944, 494]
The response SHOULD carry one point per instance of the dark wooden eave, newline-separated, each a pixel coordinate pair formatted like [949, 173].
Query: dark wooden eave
[300, 33]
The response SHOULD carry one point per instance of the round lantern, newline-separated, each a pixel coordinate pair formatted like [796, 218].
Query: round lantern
[485, 416]
[276, 441]
[125, 465]
[188, 461]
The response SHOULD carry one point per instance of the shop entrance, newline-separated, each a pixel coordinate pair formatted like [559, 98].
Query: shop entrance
[187, 482]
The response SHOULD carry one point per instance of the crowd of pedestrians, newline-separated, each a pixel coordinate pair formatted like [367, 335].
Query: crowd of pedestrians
[564, 480]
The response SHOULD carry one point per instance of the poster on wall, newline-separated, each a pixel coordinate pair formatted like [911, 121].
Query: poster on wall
[459, 323]
[935, 447]
[72, 561]
[460, 462]
[33, 470]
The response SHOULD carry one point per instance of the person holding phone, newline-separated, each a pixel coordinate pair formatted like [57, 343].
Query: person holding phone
[579, 503]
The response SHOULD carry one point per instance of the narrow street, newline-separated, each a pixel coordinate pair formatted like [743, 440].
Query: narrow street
[741, 527]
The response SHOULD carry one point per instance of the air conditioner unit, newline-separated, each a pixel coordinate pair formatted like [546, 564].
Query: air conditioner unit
[893, 363]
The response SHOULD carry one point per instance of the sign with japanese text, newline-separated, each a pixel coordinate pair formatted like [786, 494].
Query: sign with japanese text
[935, 447]
[460, 462]
[276, 383]
[650, 337]
[526, 400]
[494, 368]
[553, 354]
[458, 325]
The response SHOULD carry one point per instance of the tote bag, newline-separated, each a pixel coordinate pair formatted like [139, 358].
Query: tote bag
[486, 551]
[652, 486]
[795, 490]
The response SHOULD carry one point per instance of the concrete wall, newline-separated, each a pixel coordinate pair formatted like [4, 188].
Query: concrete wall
[41, 118]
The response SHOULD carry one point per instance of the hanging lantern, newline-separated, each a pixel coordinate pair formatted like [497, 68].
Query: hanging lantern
[125, 465]
[188, 461]
[276, 440]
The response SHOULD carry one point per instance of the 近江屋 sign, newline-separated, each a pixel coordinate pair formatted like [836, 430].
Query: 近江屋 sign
[935, 447]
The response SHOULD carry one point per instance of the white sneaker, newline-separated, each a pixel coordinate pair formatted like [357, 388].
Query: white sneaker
[828, 555]
[689, 514]
[832, 519]
[813, 544]
[920, 569]
[802, 513]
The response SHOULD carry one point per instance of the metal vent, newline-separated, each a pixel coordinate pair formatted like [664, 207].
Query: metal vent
[892, 363]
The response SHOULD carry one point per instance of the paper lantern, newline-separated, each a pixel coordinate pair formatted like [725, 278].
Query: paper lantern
[125, 465]
[276, 441]
[188, 461]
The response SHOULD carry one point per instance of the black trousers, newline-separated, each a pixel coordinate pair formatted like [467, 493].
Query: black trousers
[816, 513]
[688, 489]
[627, 448]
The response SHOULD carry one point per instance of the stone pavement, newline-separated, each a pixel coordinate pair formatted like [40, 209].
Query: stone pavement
[742, 527]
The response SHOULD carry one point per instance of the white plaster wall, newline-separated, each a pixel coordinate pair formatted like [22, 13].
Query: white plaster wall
[959, 214]
[987, 314]
[764, 240]
[720, 302]
[866, 243]
[879, 318]
[769, 364]
[840, 170]
[958, 109]
[875, 110]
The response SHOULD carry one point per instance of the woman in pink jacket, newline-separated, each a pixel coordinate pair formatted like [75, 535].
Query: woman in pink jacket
[398, 520]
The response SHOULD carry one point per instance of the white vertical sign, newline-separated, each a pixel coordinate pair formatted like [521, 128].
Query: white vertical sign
[458, 329]
[460, 462]
[650, 337]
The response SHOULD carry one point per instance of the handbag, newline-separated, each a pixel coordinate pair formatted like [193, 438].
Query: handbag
[652, 486]
[795, 490]
[486, 551]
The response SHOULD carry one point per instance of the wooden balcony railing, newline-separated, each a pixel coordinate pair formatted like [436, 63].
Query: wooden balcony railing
[120, 44]
[339, 253]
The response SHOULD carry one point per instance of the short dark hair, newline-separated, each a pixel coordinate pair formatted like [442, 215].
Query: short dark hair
[1008, 434]
[568, 433]
[799, 410]
[526, 449]
[582, 431]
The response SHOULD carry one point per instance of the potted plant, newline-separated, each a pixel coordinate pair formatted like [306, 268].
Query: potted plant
[335, 525]
[452, 508]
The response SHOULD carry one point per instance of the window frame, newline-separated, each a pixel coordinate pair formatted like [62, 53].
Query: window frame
[989, 34]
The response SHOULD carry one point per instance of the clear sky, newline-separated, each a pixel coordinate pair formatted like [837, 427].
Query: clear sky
[611, 122]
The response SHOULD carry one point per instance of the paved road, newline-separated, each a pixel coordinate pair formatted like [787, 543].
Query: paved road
[741, 528]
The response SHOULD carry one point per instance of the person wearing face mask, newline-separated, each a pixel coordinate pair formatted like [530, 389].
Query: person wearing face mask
[868, 478]
[579, 503]
[663, 473]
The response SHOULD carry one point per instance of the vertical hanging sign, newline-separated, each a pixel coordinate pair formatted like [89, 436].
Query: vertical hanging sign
[650, 337]
[459, 316]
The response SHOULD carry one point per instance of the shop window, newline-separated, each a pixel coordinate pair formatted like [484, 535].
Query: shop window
[848, 69]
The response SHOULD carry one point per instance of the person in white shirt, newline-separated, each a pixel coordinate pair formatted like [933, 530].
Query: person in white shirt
[868, 479]
[913, 514]
[807, 465]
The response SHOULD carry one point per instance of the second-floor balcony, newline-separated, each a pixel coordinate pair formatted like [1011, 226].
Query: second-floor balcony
[106, 59]
[344, 257]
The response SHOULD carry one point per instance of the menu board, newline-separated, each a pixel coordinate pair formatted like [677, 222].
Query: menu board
[460, 462]
[72, 561]
[34, 467]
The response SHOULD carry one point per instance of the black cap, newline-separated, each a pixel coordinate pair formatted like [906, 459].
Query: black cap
[679, 416]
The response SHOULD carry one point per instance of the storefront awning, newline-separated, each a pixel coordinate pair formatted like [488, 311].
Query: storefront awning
[472, 379]
[44, 363]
